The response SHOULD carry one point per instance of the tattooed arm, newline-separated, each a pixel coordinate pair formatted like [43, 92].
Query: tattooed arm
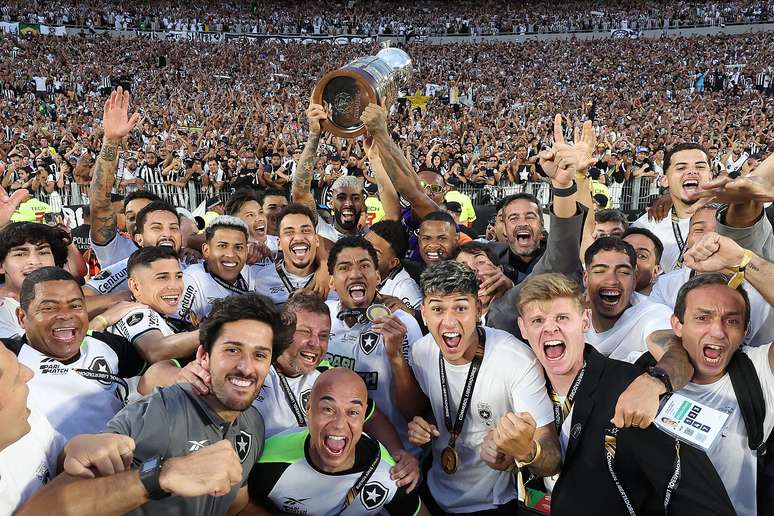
[398, 168]
[302, 179]
[116, 125]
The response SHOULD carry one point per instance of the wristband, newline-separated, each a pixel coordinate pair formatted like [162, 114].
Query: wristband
[661, 375]
[103, 320]
[538, 450]
[738, 276]
[565, 192]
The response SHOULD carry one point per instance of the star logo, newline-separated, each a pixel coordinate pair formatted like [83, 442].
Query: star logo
[243, 442]
[373, 495]
[368, 341]
[100, 365]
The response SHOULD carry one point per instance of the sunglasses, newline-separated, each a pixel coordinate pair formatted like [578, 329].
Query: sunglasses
[432, 188]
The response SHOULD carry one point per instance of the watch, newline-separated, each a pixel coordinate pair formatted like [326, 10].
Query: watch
[565, 192]
[150, 470]
[659, 374]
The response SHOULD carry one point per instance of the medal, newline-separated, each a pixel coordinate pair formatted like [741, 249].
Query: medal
[449, 460]
[377, 311]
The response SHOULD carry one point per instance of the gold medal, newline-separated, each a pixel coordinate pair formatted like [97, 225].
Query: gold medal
[377, 311]
[449, 460]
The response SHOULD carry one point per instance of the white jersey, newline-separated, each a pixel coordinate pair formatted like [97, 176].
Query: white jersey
[400, 284]
[138, 322]
[273, 405]
[29, 463]
[202, 288]
[9, 323]
[628, 334]
[668, 285]
[734, 461]
[118, 249]
[362, 350]
[328, 231]
[510, 380]
[83, 394]
[110, 279]
[666, 233]
[277, 285]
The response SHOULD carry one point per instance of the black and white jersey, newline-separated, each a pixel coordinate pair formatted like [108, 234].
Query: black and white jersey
[400, 284]
[202, 289]
[362, 350]
[153, 178]
[276, 283]
[510, 380]
[137, 323]
[110, 279]
[81, 395]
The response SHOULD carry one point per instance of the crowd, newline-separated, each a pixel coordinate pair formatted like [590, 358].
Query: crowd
[328, 333]
[242, 104]
[383, 17]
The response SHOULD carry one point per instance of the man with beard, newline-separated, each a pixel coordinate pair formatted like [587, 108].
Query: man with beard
[158, 224]
[331, 467]
[373, 347]
[244, 204]
[649, 250]
[438, 237]
[585, 388]
[621, 319]
[223, 273]
[193, 451]
[686, 165]
[471, 376]
[703, 223]
[300, 247]
[348, 203]
[389, 239]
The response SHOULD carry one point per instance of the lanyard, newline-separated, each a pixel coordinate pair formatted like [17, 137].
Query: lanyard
[285, 280]
[455, 428]
[678, 238]
[292, 401]
[361, 481]
[105, 377]
[610, 445]
[562, 409]
[239, 286]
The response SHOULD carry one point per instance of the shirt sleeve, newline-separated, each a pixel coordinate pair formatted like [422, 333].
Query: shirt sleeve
[137, 323]
[404, 503]
[760, 359]
[528, 394]
[130, 363]
[147, 423]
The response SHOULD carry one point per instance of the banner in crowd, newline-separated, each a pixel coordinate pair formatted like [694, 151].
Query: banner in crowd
[31, 28]
[624, 33]
[303, 39]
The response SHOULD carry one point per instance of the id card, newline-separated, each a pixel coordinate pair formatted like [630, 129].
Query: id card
[690, 421]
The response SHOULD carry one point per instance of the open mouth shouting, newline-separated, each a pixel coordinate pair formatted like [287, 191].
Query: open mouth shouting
[259, 228]
[65, 336]
[308, 358]
[554, 349]
[300, 251]
[435, 256]
[166, 242]
[451, 341]
[357, 291]
[712, 354]
[691, 186]
[335, 444]
[610, 297]
[348, 215]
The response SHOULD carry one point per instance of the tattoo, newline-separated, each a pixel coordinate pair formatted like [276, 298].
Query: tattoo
[663, 338]
[302, 181]
[109, 152]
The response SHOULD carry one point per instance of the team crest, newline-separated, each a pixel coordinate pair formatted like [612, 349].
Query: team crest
[134, 319]
[243, 442]
[485, 413]
[100, 365]
[373, 495]
[103, 275]
[368, 341]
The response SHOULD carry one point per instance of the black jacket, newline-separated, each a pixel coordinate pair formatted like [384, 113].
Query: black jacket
[644, 460]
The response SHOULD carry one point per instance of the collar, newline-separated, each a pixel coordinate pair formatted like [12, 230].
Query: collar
[203, 407]
[68, 361]
[394, 272]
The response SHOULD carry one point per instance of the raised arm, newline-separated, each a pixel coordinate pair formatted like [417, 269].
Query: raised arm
[387, 194]
[301, 186]
[116, 124]
[397, 166]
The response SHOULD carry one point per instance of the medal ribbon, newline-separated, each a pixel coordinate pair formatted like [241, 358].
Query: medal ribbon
[280, 266]
[455, 428]
[239, 286]
[562, 409]
[292, 401]
[364, 477]
[678, 238]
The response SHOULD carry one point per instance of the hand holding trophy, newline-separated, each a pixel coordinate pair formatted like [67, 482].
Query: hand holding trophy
[348, 90]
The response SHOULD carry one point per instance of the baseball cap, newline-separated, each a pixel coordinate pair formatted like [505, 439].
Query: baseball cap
[198, 221]
[454, 207]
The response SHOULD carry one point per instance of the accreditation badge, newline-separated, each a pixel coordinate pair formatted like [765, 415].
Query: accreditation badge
[690, 422]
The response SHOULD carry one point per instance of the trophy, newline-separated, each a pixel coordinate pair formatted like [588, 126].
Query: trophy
[347, 91]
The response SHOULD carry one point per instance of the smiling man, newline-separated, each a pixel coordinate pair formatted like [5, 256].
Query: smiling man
[621, 319]
[471, 377]
[244, 204]
[437, 237]
[332, 467]
[373, 349]
[685, 166]
[649, 250]
[348, 204]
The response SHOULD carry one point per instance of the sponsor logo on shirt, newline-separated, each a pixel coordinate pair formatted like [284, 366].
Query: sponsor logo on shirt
[371, 378]
[134, 318]
[373, 495]
[51, 366]
[294, 505]
[197, 445]
[111, 280]
[187, 302]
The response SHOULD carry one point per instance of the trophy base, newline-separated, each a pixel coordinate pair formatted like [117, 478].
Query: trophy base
[345, 92]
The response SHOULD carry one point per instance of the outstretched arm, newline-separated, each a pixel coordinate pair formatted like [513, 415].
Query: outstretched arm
[116, 125]
[301, 191]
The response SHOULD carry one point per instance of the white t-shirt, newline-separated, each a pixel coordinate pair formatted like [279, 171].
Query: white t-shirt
[271, 402]
[118, 249]
[510, 380]
[734, 461]
[29, 463]
[360, 349]
[9, 323]
[327, 231]
[201, 289]
[628, 333]
[664, 231]
[400, 284]
[668, 285]
[269, 284]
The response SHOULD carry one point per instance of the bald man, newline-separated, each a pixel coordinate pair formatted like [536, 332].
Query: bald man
[344, 472]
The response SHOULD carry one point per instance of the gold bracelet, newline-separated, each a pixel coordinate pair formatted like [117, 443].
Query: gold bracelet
[738, 276]
[103, 320]
[538, 450]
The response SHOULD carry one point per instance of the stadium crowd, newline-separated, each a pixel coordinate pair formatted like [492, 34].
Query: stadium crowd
[322, 329]
[372, 18]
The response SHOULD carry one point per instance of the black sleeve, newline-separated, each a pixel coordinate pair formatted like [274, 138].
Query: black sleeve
[130, 363]
[403, 503]
[262, 479]
[13, 345]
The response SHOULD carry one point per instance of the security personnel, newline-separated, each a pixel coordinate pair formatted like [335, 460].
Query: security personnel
[193, 452]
